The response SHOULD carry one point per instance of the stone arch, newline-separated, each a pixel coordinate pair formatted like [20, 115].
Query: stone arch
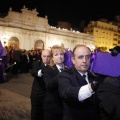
[13, 42]
[39, 45]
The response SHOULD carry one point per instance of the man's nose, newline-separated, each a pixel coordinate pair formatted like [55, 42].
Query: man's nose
[84, 59]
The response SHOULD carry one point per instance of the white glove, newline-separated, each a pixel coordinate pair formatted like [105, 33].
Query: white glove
[40, 73]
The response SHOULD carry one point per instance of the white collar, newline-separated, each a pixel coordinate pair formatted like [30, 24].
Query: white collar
[59, 67]
[83, 74]
[46, 64]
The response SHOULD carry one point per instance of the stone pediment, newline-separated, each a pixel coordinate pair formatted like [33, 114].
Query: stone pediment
[26, 17]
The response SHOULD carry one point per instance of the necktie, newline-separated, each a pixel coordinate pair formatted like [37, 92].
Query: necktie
[61, 69]
[84, 77]
[84, 82]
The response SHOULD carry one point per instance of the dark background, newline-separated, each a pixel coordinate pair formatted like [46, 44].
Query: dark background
[73, 11]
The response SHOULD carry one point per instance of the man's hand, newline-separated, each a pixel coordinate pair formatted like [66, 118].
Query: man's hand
[95, 85]
[115, 50]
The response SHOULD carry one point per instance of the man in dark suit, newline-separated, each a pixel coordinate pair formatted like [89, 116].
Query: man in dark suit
[38, 87]
[77, 87]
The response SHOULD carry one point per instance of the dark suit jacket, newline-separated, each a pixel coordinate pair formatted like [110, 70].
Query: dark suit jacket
[70, 82]
[52, 101]
[109, 97]
[38, 86]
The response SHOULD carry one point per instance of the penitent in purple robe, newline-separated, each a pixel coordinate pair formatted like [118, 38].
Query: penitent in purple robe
[2, 63]
[67, 60]
[106, 64]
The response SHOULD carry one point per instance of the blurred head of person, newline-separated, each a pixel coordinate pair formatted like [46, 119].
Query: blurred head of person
[57, 54]
[46, 56]
[81, 58]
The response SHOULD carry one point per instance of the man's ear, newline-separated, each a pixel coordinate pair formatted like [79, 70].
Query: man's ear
[73, 59]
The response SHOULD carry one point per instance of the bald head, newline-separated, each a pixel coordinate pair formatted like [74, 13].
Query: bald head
[46, 51]
[80, 46]
[46, 56]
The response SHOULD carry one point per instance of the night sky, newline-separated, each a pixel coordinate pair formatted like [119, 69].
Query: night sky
[73, 11]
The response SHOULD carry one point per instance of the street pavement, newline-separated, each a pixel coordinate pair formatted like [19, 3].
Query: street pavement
[15, 97]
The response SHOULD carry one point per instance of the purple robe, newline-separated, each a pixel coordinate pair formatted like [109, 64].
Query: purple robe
[3, 63]
[106, 64]
[2, 51]
[67, 60]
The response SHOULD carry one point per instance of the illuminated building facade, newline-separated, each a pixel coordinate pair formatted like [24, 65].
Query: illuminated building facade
[26, 30]
[106, 34]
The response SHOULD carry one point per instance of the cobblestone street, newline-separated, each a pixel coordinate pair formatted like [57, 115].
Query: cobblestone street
[15, 97]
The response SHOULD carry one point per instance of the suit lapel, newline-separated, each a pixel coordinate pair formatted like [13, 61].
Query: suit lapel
[91, 77]
[56, 69]
[42, 64]
[80, 78]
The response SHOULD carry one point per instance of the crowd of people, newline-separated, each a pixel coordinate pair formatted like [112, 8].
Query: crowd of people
[62, 91]
[20, 60]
